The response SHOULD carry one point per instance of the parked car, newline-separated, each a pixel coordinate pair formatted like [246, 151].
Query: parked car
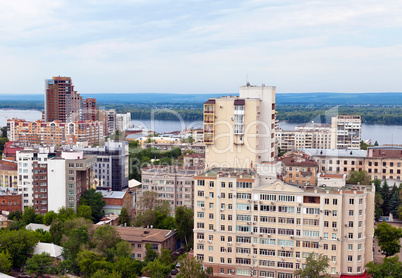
[174, 271]
[178, 265]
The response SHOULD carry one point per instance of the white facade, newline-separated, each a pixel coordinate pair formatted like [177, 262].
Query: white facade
[123, 121]
[266, 118]
[57, 184]
[25, 170]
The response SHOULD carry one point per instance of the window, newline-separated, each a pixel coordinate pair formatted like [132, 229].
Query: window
[350, 235]
[350, 247]
[223, 184]
[326, 223]
[350, 258]
[335, 201]
[351, 201]
[211, 184]
[360, 212]
[333, 248]
[350, 212]
[359, 247]
[350, 224]
[326, 201]
[334, 224]
[334, 213]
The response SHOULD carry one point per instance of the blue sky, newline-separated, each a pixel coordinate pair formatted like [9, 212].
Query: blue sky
[191, 46]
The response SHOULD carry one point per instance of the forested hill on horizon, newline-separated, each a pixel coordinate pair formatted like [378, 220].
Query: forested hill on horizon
[315, 99]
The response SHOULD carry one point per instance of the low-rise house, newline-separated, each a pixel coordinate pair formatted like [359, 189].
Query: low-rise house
[298, 169]
[35, 226]
[195, 160]
[10, 199]
[158, 238]
[53, 250]
[116, 200]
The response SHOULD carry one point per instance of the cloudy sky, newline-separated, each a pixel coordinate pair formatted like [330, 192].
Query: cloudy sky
[195, 46]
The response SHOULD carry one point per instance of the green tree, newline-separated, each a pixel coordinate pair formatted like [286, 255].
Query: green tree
[15, 215]
[5, 262]
[376, 143]
[90, 262]
[29, 215]
[105, 274]
[66, 214]
[150, 254]
[128, 267]
[156, 269]
[184, 220]
[316, 266]
[355, 177]
[105, 237]
[123, 249]
[388, 238]
[394, 204]
[18, 244]
[95, 201]
[191, 267]
[124, 218]
[56, 230]
[386, 196]
[76, 239]
[165, 257]
[391, 267]
[49, 217]
[39, 264]
[85, 212]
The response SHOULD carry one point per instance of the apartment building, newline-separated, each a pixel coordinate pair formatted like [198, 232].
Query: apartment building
[338, 161]
[195, 160]
[239, 131]
[48, 181]
[8, 173]
[310, 135]
[346, 131]
[111, 168]
[173, 184]
[123, 121]
[90, 109]
[251, 224]
[298, 169]
[10, 199]
[140, 237]
[54, 133]
[384, 162]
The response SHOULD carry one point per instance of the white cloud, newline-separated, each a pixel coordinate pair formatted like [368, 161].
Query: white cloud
[201, 46]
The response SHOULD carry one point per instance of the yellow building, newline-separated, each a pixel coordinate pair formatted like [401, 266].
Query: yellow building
[239, 131]
[255, 225]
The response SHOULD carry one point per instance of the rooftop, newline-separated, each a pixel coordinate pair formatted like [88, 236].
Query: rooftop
[54, 250]
[229, 172]
[297, 160]
[144, 234]
[336, 152]
[110, 194]
[162, 169]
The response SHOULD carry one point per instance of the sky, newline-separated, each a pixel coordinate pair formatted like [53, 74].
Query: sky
[195, 46]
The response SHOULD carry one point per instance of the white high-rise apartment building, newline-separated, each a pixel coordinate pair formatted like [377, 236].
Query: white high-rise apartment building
[346, 132]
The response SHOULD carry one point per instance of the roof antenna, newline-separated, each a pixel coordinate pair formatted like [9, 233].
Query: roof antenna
[246, 78]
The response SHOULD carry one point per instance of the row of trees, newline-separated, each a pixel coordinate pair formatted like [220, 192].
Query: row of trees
[388, 200]
[140, 158]
[156, 213]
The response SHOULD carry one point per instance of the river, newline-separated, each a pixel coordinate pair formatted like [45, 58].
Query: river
[384, 134]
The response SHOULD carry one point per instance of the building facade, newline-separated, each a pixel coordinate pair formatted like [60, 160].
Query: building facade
[239, 131]
[298, 169]
[172, 184]
[346, 131]
[55, 133]
[255, 225]
[111, 168]
[311, 135]
[8, 173]
[140, 237]
[123, 121]
[48, 181]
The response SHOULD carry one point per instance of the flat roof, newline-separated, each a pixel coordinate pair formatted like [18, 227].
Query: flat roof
[144, 234]
[336, 152]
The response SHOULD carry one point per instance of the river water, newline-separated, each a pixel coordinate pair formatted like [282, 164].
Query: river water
[384, 134]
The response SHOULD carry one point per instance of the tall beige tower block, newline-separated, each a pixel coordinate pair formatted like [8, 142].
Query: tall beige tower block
[239, 131]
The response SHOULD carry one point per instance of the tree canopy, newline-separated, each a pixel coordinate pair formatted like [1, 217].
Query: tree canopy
[95, 200]
[391, 267]
[388, 238]
[316, 266]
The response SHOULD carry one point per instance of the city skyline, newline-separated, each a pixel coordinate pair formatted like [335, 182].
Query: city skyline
[201, 47]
